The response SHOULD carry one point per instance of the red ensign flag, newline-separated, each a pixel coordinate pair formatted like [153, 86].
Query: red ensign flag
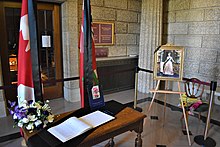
[81, 65]
[88, 73]
[25, 79]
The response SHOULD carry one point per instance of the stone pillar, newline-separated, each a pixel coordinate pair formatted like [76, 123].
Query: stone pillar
[70, 35]
[2, 100]
[150, 39]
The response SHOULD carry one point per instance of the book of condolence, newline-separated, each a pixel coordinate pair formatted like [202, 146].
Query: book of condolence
[73, 126]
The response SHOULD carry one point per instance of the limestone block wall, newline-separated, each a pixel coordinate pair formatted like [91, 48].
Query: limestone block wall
[2, 100]
[125, 14]
[70, 29]
[195, 24]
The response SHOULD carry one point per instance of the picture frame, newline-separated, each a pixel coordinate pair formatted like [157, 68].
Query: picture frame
[168, 63]
[103, 33]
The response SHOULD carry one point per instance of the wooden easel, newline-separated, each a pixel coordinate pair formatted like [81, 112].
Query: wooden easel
[156, 90]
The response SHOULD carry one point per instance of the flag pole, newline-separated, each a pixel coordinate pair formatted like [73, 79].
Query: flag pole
[32, 16]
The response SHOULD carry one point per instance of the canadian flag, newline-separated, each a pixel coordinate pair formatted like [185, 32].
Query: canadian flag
[25, 79]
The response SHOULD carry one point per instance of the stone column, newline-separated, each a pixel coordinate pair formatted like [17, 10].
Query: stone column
[70, 35]
[2, 100]
[150, 39]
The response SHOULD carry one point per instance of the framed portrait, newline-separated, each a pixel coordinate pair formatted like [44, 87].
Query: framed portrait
[168, 63]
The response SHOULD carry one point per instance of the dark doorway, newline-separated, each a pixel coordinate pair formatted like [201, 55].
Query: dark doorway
[48, 16]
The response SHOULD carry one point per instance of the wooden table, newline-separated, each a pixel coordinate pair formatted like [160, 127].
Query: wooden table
[126, 120]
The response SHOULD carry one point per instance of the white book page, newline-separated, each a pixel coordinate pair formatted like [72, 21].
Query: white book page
[96, 118]
[69, 129]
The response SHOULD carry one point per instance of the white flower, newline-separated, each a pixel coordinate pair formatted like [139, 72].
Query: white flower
[44, 125]
[25, 120]
[20, 124]
[50, 118]
[31, 117]
[33, 105]
[45, 122]
[38, 112]
[37, 123]
[24, 104]
[15, 116]
[30, 122]
[30, 126]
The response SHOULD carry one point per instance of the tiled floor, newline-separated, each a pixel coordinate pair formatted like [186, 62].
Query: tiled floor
[166, 131]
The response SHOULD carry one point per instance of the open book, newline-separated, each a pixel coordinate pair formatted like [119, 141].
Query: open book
[73, 126]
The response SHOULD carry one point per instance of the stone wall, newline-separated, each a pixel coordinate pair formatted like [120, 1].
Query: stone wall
[195, 24]
[70, 29]
[2, 100]
[125, 14]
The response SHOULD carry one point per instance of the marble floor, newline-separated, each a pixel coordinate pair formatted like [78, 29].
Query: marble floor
[166, 131]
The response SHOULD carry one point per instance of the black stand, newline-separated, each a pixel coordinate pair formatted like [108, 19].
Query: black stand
[208, 142]
[136, 85]
[136, 91]
[204, 140]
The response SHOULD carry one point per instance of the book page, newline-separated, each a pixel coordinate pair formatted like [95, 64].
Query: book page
[69, 129]
[96, 118]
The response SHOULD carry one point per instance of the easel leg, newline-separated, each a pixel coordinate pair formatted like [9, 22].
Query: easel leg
[158, 83]
[165, 101]
[184, 114]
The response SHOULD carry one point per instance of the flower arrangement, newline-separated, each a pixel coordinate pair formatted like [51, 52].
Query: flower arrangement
[31, 115]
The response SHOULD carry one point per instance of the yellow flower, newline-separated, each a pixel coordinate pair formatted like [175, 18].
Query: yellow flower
[38, 106]
[50, 118]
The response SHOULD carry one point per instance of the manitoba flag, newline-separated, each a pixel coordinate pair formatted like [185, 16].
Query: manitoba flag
[88, 74]
[25, 79]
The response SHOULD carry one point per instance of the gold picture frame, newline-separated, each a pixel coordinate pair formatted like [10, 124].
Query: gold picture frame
[168, 63]
[103, 33]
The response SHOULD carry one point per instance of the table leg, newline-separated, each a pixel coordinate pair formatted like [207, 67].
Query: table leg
[138, 140]
[111, 143]
[139, 130]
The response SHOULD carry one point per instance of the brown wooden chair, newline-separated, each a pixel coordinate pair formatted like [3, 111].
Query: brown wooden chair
[194, 89]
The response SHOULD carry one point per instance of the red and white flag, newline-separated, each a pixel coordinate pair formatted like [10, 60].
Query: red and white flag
[88, 73]
[25, 79]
